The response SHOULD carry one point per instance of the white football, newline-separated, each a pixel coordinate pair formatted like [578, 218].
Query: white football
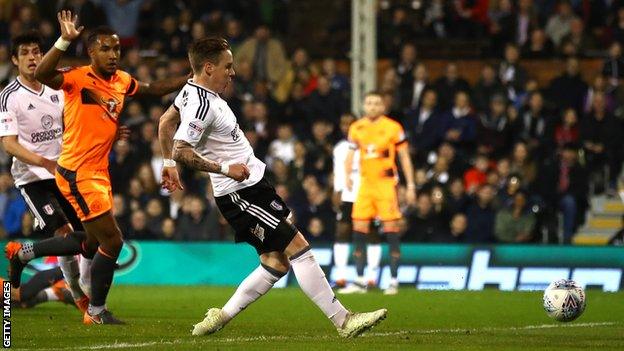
[564, 300]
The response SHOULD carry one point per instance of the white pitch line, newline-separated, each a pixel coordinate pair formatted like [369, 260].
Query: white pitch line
[300, 338]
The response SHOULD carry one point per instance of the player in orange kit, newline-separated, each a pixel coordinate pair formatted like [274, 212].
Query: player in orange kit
[379, 139]
[94, 98]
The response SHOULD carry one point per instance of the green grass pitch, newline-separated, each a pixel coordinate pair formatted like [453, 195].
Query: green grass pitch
[160, 318]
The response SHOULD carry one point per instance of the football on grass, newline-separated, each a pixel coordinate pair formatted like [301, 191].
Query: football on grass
[564, 300]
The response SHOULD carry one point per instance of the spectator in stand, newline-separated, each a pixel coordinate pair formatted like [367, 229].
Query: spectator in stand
[475, 177]
[494, 132]
[526, 20]
[449, 85]
[421, 222]
[461, 125]
[234, 33]
[539, 46]
[138, 227]
[481, 216]
[121, 213]
[168, 229]
[471, 18]
[535, 125]
[418, 88]
[423, 126]
[194, 223]
[320, 149]
[487, 86]
[395, 33]
[123, 17]
[566, 183]
[582, 41]
[459, 225]
[617, 27]
[523, 163]
[613, 67]
[155, 216]
[405, 71]
[599, 86]
[502, 25]
[457, 200]
[301, 71]
[569, 89]
[338, 81]
[325, 103]
[436, 21]
[558, 25]
[568, 131]
[511, 74]
[266, 54]
[515, 223]
[319, 209]
[602, 136]
[123, 164]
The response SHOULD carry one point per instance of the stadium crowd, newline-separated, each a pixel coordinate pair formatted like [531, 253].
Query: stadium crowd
[496, 161]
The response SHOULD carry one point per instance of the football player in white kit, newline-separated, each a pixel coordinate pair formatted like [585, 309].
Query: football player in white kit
[31, 129]
[208, 139]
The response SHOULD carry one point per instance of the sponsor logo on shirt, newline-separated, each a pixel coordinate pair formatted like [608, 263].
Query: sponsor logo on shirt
[31, 107]
[276, 205]
[47, 121]
[194, 130]
[258, 232]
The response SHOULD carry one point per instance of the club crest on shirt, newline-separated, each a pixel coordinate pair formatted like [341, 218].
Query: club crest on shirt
[47, 121]
[48, 209]
[54, 98]
[110, 105]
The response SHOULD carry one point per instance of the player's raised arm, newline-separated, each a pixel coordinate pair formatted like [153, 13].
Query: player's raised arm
[46, 71]
[162, 87]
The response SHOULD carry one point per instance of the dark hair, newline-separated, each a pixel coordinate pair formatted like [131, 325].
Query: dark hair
[96, 32]
[206, 50]
[30, 37]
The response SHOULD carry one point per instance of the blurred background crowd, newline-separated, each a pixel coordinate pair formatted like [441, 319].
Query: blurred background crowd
[503, 153]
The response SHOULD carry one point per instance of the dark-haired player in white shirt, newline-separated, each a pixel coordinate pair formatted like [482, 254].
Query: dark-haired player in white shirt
[209, 139]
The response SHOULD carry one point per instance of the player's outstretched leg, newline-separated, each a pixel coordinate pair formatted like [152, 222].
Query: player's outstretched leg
[312, 281]
[107, 232]
[257, 283]
[20, 254]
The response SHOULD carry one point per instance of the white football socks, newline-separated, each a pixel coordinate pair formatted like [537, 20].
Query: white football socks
[373, 259]
[85, 275]
[312, 281]
[341, 259]
[50, 294]
[255, 285]
[71, 273]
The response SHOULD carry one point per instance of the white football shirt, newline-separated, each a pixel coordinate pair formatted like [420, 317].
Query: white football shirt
[340, 155]
[36, 117]
[209, 125]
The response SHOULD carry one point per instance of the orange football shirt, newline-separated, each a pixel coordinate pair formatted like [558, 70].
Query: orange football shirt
[378, 141]
[92, 108]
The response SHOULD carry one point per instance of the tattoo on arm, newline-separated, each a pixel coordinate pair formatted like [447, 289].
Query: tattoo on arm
[166, 130]
[184, 153]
